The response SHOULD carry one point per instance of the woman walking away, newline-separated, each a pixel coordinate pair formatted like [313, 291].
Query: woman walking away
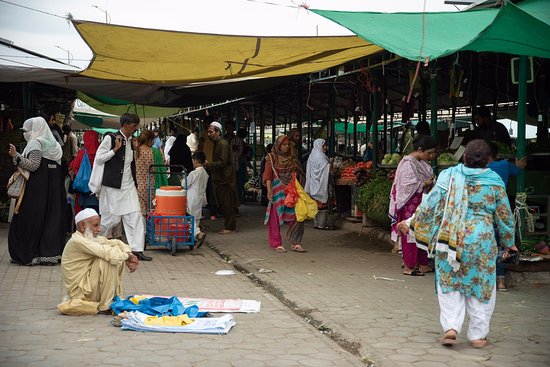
[88, 199]
[317, 181]
[459, 222]
[280, 165]
[36, 235]
[180, 155]
[413, 178]
[143, 156]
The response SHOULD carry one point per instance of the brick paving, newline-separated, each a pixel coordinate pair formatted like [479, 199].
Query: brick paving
[393, 322]
[382, 322]
[33, 333]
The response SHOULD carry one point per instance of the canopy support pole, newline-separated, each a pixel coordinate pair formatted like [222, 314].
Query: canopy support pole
[330, 125]
[300, 118]
[392, 149]
[355, 121]
[254, 139]
[522, 100]
[385, 113]
[433, 105]
[309, 128]
[273, 123]
[374, 126]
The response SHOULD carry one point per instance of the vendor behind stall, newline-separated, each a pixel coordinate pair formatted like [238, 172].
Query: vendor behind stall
[488, 128]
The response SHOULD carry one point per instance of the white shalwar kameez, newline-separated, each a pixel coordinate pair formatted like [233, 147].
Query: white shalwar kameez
[116, 204]
[453, 307]
[196, 195]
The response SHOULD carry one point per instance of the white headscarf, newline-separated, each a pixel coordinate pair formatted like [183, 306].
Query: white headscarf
[317, 172]
[39, 137]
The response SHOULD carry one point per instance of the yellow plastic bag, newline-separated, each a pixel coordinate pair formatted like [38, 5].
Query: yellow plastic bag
[306, 207]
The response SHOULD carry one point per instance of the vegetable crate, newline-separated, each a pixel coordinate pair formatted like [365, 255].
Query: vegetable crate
[171, 231]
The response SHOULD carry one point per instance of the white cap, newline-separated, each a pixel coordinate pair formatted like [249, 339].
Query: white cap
[85, 214]
[216, 124]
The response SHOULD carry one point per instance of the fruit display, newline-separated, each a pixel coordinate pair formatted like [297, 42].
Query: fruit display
[391, 159]
[446, 159]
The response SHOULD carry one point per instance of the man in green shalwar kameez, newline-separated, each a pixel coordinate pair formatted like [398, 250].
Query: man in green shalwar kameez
[224, 179]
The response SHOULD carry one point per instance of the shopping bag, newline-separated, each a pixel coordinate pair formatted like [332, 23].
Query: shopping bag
[291, 194]
[82, 178]
[17, 182]
[96, 177]
[306, 207]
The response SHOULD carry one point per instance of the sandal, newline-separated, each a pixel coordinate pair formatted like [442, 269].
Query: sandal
[449, 338]
[479, 343]
[280, 249]
[298, 248]
[415, 273]
[429, 269]
[225, 231]
[200, 239]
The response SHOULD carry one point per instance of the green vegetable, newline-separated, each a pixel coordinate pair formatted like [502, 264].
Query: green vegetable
[374, 198]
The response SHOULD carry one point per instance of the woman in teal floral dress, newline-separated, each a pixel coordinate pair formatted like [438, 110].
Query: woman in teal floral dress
[457, 223]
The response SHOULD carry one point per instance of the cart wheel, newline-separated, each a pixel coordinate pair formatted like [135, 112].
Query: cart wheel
[174, 247]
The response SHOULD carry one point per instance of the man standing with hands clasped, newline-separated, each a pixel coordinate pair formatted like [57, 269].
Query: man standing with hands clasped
[224, 178]
[118, 197]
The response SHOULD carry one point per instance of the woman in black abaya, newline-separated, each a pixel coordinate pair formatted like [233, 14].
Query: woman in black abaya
[37, 232]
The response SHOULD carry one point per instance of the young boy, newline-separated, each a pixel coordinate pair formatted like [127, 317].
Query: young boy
[196, 193]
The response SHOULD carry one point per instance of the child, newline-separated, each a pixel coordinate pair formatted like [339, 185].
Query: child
[196, 193]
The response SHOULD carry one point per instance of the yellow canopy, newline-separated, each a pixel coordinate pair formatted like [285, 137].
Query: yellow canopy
[157, 56]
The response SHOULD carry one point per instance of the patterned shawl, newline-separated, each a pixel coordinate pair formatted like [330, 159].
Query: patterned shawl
[439, 221]
[409, 177]
[284, 164]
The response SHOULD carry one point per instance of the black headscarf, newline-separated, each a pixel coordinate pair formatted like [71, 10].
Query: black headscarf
[180, 154]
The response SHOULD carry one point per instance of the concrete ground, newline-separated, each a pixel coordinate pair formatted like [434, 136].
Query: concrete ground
[325, 307]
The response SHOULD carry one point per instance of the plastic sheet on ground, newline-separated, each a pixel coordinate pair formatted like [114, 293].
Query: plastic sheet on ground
[218, 305]
[215, 325]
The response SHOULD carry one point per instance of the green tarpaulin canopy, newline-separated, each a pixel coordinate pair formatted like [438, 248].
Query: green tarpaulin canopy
[517, 29]
[118, 107]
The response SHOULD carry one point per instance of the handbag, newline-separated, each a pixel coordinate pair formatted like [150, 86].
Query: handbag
[82, 178]
[17, 182]
[96, 177]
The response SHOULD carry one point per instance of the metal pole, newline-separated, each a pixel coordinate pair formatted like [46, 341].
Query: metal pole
[392, 150]
[309, 128]
[300, 113]
[522, 101]
[355, 121]
[273, 123]
[433, 103]
[330, 125]
[374, 124]
[254, 141]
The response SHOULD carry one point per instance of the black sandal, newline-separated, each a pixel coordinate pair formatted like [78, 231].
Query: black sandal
[415, 273]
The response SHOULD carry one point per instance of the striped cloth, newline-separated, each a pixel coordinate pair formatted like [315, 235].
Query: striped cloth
[284, 213]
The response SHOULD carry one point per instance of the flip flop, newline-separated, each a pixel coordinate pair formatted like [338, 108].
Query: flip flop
[479, 343]
[431, 270]
[280, 249]
[225, 231]
[200, 240]
[415, 273]
[449, 338]
[298, 248]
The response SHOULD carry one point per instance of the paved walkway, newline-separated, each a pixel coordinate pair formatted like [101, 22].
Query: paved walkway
[33, 333]
[321, 308]
[386, 322]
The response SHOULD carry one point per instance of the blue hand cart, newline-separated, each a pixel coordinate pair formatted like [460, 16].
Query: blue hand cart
[171, 231]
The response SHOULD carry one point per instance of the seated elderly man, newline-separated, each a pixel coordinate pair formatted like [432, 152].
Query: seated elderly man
[92, 267]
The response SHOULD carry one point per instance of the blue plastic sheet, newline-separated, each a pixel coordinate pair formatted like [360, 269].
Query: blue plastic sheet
[156, 306]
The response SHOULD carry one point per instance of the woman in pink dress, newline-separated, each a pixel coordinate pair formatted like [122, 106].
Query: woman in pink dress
[414, 177]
